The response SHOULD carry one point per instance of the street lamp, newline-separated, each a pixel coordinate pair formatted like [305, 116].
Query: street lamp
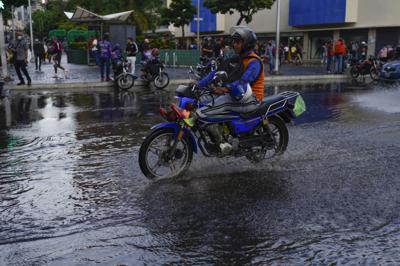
[277, 42]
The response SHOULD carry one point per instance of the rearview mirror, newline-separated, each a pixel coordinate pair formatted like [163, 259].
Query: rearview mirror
[222, 76]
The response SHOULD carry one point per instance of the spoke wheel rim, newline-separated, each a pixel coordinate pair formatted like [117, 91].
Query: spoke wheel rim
[159, 164]
[160, 81]
[125, 82]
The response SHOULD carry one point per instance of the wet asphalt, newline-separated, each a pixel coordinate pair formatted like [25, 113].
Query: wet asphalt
[71, 191]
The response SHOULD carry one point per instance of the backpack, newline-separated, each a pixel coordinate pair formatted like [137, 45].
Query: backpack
[132, 49]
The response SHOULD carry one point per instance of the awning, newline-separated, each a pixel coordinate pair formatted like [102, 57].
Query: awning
[68, 14]
[83, 15]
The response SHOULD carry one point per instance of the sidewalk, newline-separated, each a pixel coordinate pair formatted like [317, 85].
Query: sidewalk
[83, 76]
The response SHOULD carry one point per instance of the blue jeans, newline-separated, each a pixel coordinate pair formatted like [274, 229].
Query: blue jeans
[271, 63]
[105, 63]
[339, 63]
[329, 63]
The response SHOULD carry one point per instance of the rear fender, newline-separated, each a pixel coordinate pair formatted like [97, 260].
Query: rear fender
[175, 127]
[286, 115]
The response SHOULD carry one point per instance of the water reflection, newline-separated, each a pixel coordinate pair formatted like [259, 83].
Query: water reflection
[212, 214]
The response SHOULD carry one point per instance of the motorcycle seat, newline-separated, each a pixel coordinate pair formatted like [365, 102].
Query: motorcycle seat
[263, 107]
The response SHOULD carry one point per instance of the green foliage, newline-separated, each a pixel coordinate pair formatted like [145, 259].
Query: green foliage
[8, 4]
[43, 22]
[179, 13]
[246, 8]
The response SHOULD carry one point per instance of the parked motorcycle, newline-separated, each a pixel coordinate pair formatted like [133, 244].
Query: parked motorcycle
[371, 67]
[122, 74]
[207, 65]
[154, 71]
[168, 150]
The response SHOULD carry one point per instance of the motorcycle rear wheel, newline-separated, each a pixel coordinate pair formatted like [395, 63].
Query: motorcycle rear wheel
[125, 81]
[156, 147]
[280, 137]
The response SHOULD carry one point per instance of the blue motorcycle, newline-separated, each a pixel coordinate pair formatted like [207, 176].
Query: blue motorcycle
[262, 133]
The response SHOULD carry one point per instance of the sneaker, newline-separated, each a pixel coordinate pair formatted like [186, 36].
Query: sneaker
[21, 83]
[29, 82]
[108, 79]
[102, 79]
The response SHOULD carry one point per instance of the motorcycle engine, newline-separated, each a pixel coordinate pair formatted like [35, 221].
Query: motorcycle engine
[215, 131]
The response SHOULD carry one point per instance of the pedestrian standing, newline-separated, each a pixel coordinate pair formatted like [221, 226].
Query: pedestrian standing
[217, 48]
[20, 50]
[50, 51]
[207, 48]
[57, 50]
[324, 53]
[105, 49]
[269, 53]
[340, 51]
[93, 49]
[330, 55]
[131, 51]
[38, 50]
[299, 54]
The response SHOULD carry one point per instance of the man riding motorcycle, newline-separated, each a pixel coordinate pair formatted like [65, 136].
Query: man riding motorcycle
[152, 61]
[249, 71]
[246, 78]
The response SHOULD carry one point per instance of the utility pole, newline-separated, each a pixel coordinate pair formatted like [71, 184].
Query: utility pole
[30, 28]
[13, 22]
[278, 37]
[2, 43]
[198, 25]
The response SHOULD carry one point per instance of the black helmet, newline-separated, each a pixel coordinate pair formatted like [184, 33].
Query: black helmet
[246, 35]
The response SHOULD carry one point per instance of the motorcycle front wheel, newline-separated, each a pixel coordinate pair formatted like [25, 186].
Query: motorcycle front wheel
[354, 72]
[156, 160]
[374, 74]
[125, 81]
[161, 80]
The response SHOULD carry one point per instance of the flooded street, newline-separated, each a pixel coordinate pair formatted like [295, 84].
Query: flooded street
[71, 191]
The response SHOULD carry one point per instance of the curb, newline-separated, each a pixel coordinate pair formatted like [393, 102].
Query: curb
[139, 83]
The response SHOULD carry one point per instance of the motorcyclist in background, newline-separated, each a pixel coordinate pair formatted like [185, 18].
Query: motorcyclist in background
[152, 62]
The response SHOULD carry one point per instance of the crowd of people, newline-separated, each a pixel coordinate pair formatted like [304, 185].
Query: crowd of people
[19, 54]
[338, 55]
[288, 52]
[108, 55]
[335, 55]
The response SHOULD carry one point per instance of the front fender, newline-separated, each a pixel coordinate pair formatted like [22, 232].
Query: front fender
[175, 127]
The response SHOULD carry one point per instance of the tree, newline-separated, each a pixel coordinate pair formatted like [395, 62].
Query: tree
[246, 8]
[179, 14]
[43, 22]
[9, 3]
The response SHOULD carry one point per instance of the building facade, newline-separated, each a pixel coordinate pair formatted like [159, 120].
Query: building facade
[313, 22]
